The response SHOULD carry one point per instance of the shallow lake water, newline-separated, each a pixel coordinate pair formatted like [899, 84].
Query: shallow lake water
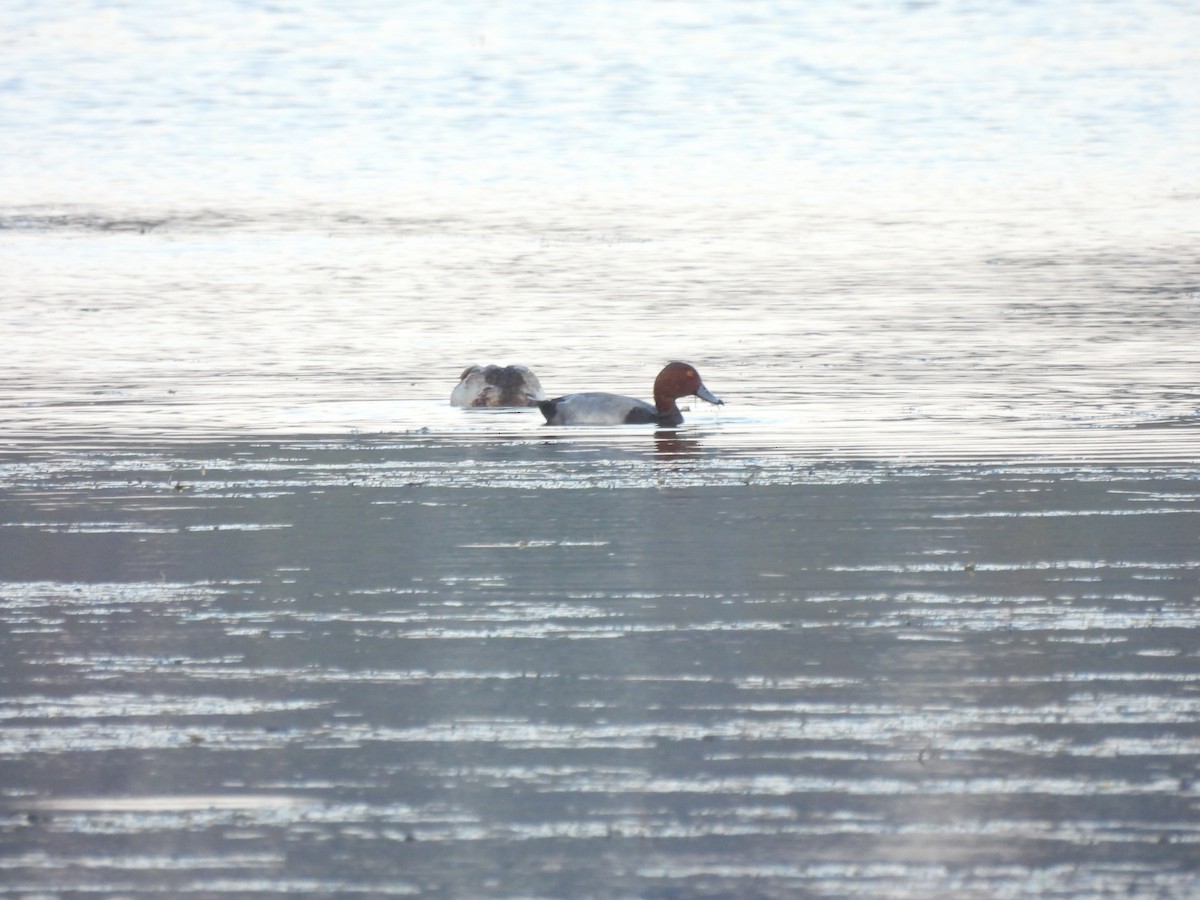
[914, 614]
[338, 667]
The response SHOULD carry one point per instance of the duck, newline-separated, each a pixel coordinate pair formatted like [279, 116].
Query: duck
[677, 379]
[493, 385]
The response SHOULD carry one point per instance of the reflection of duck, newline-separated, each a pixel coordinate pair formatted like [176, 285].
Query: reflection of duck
[596, 408]
[673, 445]
[497, 386]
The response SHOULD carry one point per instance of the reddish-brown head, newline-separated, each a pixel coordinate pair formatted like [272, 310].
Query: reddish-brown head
[679, 379]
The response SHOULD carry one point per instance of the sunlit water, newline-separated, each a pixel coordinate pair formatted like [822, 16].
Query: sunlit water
[913, 614]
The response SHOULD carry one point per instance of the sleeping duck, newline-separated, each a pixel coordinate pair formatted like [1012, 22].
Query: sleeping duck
[497, 386]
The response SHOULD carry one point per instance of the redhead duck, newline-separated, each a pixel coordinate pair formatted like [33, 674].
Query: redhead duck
[497, 386]
[595, 408]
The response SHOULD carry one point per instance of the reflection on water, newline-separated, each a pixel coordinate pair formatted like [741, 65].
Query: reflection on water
[671, 444]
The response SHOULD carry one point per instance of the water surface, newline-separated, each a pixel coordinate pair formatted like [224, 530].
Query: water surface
[913, 614]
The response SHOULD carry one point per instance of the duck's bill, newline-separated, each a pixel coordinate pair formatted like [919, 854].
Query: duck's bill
[705, 394]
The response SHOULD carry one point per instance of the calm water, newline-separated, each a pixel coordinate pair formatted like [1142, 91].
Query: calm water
[914, 614]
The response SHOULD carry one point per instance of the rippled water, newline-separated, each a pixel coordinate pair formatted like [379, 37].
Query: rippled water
[828, 332]
[894, 681]
[914, 614]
